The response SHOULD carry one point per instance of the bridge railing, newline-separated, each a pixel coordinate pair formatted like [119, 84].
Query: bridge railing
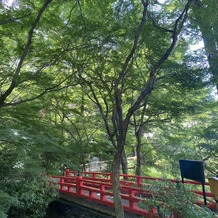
[101, 193]
[100, 176]
[195, 187]
[139, 181]
[97, 186]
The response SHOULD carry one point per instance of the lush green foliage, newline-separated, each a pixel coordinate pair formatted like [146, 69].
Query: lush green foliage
[6, 202]
[33, 196]
[174, 199]
[26, 157]
[83, 79]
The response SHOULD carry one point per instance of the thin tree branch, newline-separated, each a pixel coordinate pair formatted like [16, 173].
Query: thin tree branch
[46, 91]
[135, 44]
[24, 54]
[177, 29]
[9, 20]
[159, 27]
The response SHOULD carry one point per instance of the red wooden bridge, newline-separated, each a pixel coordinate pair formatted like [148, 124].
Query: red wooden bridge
[97, 187]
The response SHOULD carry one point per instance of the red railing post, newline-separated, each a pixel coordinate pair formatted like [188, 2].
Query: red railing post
[102, 188]
[79, 183]
[132, 202]
[91, 193]
[62, 181]
[70, 188]
[139, 181]
[67, 172]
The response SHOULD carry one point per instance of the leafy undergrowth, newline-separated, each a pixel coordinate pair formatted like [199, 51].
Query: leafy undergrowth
[173, 201]
[26, 198]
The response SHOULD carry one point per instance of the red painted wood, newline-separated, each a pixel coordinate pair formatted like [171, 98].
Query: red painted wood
[97, 186]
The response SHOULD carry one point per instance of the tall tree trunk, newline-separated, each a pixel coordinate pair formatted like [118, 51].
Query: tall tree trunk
[116, 184]
[120, 123]
[138, 135]
[124, 163]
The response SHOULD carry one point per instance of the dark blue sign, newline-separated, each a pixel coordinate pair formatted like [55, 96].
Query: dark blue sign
[192, 169]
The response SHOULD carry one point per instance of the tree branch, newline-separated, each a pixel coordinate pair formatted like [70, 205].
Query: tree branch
[46, 91]
[176, 30]
[135, 44]
[24, 54]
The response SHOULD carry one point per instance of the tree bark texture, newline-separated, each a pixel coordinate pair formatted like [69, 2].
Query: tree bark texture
[124, 163]
[116, 185]
[138, 135]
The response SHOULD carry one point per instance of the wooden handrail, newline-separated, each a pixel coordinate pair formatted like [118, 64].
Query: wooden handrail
[97, 186]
